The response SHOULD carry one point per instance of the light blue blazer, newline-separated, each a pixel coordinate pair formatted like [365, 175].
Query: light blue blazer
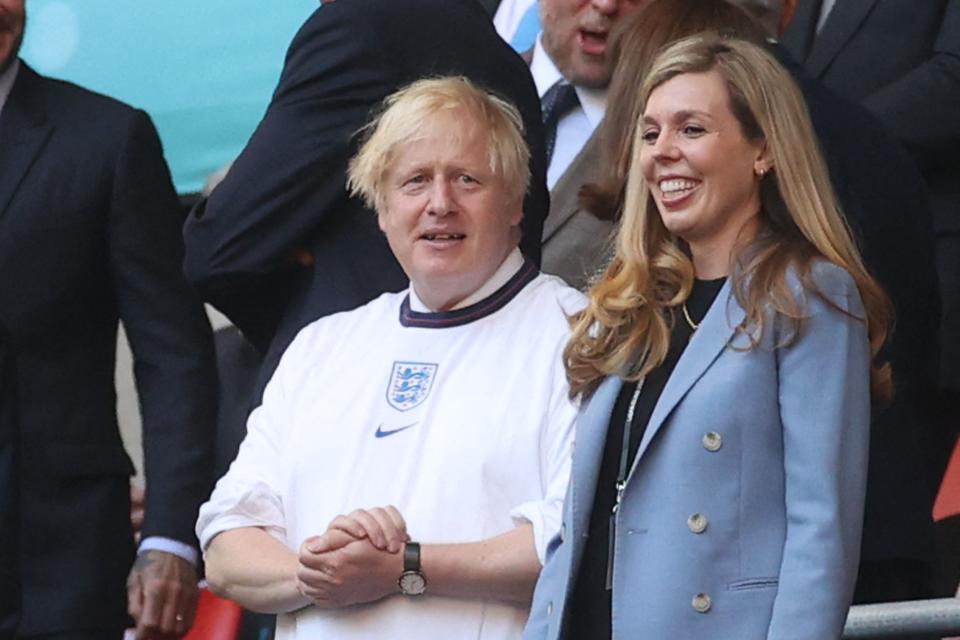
[742, 513]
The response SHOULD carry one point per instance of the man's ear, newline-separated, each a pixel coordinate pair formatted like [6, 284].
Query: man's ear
[381, 218]
[517, 217]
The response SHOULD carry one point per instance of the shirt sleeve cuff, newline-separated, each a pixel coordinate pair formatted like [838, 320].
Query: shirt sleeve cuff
[545, 518]
[168, 545]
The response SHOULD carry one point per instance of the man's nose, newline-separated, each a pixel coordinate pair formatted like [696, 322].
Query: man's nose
[607, 7]
[441, 201]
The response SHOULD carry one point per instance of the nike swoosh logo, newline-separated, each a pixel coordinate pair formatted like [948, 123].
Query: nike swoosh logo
[380, 433]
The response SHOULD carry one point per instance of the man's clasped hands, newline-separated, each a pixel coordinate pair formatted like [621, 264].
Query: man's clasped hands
[358, 559]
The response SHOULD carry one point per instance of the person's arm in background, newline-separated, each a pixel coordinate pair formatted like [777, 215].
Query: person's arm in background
[176, 378]
[246, 241]
[920, 108]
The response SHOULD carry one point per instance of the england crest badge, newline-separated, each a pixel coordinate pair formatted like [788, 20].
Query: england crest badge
[410, 384]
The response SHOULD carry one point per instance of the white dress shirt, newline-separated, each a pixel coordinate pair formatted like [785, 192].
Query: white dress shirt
[7, 78]
[825, 10]
[576, 127]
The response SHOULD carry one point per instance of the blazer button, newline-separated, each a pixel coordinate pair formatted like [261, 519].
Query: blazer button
[701, 603]
[549, 608]
[697, 523]
[712, 441]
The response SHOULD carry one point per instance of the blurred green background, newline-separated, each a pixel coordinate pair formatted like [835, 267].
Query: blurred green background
[203, 69]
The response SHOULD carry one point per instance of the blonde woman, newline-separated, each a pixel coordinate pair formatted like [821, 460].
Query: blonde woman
[725, 363]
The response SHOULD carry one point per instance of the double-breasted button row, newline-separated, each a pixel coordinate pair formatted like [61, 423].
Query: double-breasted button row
[712, 441]
[701, 603]
[697, 523]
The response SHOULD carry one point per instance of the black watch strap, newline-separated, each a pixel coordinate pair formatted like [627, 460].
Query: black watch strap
[411, 556]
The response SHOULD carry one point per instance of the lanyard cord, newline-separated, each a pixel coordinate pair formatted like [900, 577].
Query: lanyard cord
[621, 480]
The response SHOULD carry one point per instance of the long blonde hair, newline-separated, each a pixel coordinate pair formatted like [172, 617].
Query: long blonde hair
[625, 329]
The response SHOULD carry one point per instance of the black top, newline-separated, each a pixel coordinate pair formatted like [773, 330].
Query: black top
[588, 613]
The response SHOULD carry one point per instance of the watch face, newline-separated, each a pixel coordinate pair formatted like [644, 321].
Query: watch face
[412, 583]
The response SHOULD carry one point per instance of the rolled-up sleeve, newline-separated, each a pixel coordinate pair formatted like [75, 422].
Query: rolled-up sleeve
[556, 444]
[250, 493]
[546, 514]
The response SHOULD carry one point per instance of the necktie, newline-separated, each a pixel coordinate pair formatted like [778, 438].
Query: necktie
[559, 100]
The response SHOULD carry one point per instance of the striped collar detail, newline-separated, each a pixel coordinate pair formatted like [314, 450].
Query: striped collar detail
[489, 305]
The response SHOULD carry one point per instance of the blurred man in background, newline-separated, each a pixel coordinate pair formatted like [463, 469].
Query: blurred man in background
[901, 60]
[89, 236]
[571, 65]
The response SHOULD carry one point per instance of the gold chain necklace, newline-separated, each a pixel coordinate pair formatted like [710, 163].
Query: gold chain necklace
[686, 316]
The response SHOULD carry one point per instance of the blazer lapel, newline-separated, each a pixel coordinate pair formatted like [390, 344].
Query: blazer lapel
[844, 20]
[706, 344]
[589, 440]
[24, 131]
[564, 200]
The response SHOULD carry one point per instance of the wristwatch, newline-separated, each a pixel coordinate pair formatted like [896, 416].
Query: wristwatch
[412, 581]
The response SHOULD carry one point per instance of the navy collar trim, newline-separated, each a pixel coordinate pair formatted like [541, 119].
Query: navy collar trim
[488, 306]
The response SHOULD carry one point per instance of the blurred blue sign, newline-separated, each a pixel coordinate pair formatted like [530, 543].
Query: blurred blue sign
[203, 69]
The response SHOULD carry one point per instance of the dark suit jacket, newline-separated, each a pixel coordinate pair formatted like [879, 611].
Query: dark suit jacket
[9, 493]
[490, 6]
[901, 59]
[89, 235]
[287, 189]
[576, 244]
[883, 199]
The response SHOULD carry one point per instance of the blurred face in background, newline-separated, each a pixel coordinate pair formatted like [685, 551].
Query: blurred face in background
[12, 19]
[576, 33]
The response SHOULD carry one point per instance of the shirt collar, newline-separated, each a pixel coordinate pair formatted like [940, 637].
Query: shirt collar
[545, 75]
[7, 79]
[507, 269]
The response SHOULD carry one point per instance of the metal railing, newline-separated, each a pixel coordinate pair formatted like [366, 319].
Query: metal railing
[940, 617]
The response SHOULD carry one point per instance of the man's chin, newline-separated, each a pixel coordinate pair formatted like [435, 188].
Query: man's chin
[589, 73]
